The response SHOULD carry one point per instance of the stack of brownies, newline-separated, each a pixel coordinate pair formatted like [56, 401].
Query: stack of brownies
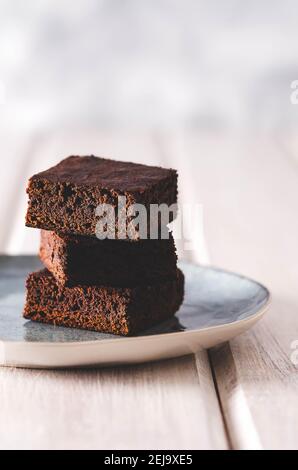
[120, 286]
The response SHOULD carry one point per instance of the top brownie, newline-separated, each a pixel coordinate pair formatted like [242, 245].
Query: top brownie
[64, 198]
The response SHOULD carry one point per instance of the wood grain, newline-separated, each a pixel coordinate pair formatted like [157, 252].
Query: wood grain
[249, 190]
[165, 405]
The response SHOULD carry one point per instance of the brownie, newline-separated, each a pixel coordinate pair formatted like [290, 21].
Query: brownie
[123, 311]
[64, 198]
[75, 260]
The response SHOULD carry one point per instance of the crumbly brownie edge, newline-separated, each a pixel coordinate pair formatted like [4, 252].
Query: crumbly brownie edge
[66, 208]
[118, 311]
[96, 309]
[88, 261]
[105, 172]
[53, 254]
[170, 297]
[70, 209]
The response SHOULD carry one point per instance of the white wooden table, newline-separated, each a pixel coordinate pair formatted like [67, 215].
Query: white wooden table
[239, 395]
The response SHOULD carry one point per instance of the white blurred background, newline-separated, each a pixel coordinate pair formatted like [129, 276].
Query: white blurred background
[148, 64]
[196, 85]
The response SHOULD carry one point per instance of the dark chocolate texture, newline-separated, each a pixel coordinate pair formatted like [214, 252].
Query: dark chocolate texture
[75, 260]
[64, 198]
[123, 311]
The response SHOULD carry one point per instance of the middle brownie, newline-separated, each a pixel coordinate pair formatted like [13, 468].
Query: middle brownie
[75, 260]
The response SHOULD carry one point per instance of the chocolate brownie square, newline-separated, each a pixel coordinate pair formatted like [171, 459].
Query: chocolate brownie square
[75, 260]
[64, 198]
[117, 310]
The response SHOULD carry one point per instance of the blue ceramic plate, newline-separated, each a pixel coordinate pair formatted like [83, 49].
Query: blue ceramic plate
[218, 305]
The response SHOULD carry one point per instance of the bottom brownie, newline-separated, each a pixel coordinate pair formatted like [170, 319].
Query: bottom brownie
[123, 311]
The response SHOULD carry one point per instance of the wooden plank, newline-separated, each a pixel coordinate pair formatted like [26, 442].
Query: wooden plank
[249, 189]
[153, 406]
